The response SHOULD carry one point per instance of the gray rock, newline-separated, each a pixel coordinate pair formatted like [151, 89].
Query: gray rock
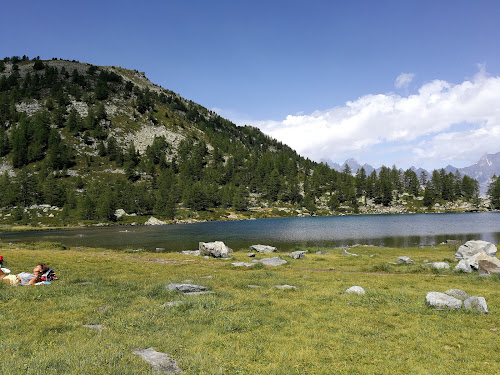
[191, 252]
[458, 294]
[488, 265]
[285, 286]
[160, 362]
[298, 254]
[172, 304]
[405, 259]
[345, 252]
[251, 255]
[275, 261]
[215, 249]
[119, 213]
[321, 253]
[439, 265]
[243, 264]
[98, 327]
[355, 290]
[443, 301]
[476, 303]
[198, 293]
[154, 221]
[471, 248]
[463, 266]
[186, 288]
[263, 248]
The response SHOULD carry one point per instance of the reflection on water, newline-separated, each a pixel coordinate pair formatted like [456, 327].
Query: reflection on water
[285, 233]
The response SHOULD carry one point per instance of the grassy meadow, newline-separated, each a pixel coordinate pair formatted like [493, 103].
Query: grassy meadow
[247, 326]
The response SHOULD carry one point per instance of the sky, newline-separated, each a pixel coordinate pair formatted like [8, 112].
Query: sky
[406, 82]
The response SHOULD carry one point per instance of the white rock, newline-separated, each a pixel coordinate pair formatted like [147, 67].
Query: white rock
[191, 252]
[275, 261]
[264, 248]
[471, 248]
[186, 288]
[355, 290]
[463, 266]
[298, 254]
[442, 300]
[215, 249]
[154, 221]
[458, 294]
[160, 362]
[285, 286]
[405, 259]
[476, 303]
[119, 213]
[243, 264]
[439, 265]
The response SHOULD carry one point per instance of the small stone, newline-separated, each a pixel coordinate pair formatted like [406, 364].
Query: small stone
[285, 286]
[186, 288]
[160, 362]
[439, 265]
[172, 304]
[251, 255]
[243, 264]
[355, 290]
[405, 259]
[298, 254]
[191, 252]
[264, 248]
[274, 262]
[457, 293]
[476, 303]
[98, 327]
[321, 253]
[254, 286]
[345, 252]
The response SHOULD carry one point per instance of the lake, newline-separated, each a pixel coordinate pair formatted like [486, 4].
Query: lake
[285, 233]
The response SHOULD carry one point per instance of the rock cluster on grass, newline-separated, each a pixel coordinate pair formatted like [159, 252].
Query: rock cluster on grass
[456, 299]
[355, 290]
[215, 249]
[298, 254]
[478, 255]
[160, 362]
[263, 248]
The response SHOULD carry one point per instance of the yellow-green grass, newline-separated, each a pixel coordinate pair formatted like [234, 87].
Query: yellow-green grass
[314, 329]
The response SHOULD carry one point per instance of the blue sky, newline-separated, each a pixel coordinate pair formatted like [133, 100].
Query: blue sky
[404, 82]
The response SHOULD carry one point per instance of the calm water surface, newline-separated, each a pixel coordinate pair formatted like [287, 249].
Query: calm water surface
[285, 233]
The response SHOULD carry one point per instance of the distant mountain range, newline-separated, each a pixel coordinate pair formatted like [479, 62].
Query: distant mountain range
[482, 171]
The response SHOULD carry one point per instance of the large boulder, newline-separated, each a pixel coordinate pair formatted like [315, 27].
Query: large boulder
[215, 249]
[476, 303]
[263, 248]
[442, 301]
[488, 265]
[471, 248]
[474, 260]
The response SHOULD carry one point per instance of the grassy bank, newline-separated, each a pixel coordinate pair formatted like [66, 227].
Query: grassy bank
[247, 326]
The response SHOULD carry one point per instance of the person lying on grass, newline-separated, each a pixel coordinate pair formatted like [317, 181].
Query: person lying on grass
[25, 278]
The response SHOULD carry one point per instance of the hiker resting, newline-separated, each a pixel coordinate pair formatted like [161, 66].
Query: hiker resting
[25, 278]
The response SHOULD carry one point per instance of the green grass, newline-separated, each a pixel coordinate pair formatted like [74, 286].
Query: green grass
[315, 329]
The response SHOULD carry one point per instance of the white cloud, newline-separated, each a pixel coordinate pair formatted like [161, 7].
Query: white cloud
[424, 124]
[404, 80]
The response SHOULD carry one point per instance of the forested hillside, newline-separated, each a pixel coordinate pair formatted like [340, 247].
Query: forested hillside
[78, 142]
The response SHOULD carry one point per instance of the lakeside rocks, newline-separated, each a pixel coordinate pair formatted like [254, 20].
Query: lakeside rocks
[154, 221]
[471, 248]
[264, 248]
[488, 265]
[215, 249]
[298, 254]
[160, 362]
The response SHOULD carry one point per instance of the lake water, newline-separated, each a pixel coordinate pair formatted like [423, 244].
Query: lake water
[285, 233]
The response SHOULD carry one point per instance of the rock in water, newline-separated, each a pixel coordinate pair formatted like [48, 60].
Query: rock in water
[160, 362]
[355, 290]
[215, 249]
[441, 301]
[476, 303]
[405, 259]
[154, 221]
[471, 248]
[186, 288]
[298, 254]
[263, 248]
